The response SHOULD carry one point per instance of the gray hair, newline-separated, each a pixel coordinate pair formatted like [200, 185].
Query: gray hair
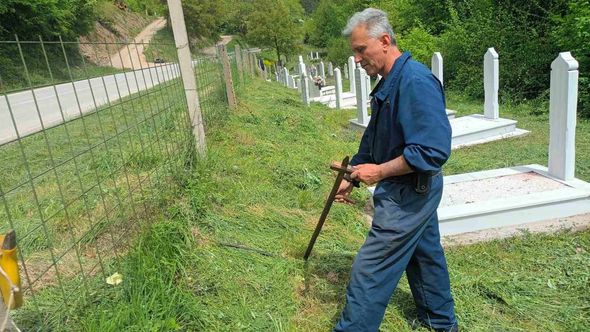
[374, 20]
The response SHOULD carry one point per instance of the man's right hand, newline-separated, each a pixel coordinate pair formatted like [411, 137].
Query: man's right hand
[342, 195]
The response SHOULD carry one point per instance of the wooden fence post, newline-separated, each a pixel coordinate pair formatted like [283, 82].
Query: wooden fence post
[229, 86]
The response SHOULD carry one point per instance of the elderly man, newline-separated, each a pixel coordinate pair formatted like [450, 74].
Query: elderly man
[402, 150]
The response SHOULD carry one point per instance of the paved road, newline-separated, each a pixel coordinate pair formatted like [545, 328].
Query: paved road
[36, 109]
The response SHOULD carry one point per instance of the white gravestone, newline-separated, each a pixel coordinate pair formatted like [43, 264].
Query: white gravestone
[301, 68]
[305, 89]
[317, 55]
[368, 82]
[361, 97]
[491, 78]
[379, 77]
[330, 69]
[562, 116]
[437, 66]
[286, 76]
[351, 67]
[322, 70]
[338, 79]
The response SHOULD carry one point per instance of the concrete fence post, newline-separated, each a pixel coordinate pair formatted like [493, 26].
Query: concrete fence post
[187, 73]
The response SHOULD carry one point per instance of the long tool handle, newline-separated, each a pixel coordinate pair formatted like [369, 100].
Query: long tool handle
[327, 207]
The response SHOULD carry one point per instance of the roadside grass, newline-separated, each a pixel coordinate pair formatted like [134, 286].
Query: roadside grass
[162, 46]
[227, 255]
[75, 192]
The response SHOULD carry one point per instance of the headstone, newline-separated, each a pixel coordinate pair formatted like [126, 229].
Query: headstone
[562, 116]
[369, 88]
[330, 69]
[437, 66]
[317, 55]
[322, 70]
[491, 78]
[379, 77]
[338, 79]
[285, 76]
[346, 71]
[361, 96]
[305, 89]
[301, 67]
[314, 90]
[351, 74]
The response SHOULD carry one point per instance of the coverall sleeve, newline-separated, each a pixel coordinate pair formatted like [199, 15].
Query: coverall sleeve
[425, 126]
[363, 156]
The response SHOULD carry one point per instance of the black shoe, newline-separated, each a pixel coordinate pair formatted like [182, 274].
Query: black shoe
[416, 324]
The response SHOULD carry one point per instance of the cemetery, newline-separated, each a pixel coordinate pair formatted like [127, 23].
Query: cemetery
[200, 188]
[490, 198]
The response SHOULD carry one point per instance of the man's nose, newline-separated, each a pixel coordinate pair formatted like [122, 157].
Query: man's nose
[357, 58]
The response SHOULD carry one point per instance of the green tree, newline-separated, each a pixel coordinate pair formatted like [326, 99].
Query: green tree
[203, 19]
[277, 24]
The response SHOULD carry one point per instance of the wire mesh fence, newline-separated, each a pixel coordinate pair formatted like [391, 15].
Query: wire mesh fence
[89, 148]
[93, 137]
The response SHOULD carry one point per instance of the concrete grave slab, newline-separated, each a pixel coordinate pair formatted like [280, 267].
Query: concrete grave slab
[507, 197]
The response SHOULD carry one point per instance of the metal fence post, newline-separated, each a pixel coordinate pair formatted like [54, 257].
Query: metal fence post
[187, 73]
[229, 86]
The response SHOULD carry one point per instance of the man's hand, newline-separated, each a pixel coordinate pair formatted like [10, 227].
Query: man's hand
[343, 192]
[367, 173]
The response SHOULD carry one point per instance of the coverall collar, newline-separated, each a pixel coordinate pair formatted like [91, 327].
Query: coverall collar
[388, 83]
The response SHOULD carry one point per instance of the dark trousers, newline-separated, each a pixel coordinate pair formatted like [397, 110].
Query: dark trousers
[404, 236]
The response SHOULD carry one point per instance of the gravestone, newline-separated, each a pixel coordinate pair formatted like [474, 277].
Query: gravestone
[361, 97]
[437, 66]
[305, 89]
[562, 116]
[368, 84]
[491, 77]
[322, 70]
[330, 69]
[346, 70]
[351, 74]
[338, 79]
[285, 76]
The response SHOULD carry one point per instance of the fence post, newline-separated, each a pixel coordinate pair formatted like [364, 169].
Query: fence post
[238, 54]
[229, 85]
[437, 66]
[562, 117]
[187, 73]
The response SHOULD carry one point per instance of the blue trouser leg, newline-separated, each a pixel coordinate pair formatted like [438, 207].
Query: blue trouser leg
[429, 280]
[400, 221]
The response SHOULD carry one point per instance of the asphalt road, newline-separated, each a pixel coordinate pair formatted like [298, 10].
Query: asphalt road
[27, 112]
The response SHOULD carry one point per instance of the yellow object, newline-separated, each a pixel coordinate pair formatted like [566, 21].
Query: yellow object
[9, 264]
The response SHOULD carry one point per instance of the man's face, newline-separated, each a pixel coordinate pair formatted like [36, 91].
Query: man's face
[368, 51]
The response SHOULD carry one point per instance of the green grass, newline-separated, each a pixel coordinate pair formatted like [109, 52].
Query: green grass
[227, 255]
[162, 46]
[75, 192]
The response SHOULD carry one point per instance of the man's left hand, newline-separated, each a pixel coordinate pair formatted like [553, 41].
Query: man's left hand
[367, 173]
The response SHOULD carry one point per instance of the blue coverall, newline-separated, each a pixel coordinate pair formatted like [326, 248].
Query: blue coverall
[408, 118]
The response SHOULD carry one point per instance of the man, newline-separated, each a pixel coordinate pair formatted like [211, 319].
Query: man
[402, 150]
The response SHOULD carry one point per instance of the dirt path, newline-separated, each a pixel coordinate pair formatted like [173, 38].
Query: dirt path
[211, 50]
[129, 54]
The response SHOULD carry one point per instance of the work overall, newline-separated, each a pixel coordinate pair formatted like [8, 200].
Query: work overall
[404, 234]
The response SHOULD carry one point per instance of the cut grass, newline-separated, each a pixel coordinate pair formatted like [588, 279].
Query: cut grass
[227, 254]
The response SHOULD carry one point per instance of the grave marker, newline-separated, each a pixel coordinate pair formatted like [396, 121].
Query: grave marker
[491, 77]
[562, 116]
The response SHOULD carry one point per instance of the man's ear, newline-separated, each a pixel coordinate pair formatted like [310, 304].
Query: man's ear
[385, 40]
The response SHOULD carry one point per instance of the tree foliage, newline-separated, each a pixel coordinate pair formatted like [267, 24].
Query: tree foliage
[47, 18]
[277, 24]
[527, 34]
[203, 19]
